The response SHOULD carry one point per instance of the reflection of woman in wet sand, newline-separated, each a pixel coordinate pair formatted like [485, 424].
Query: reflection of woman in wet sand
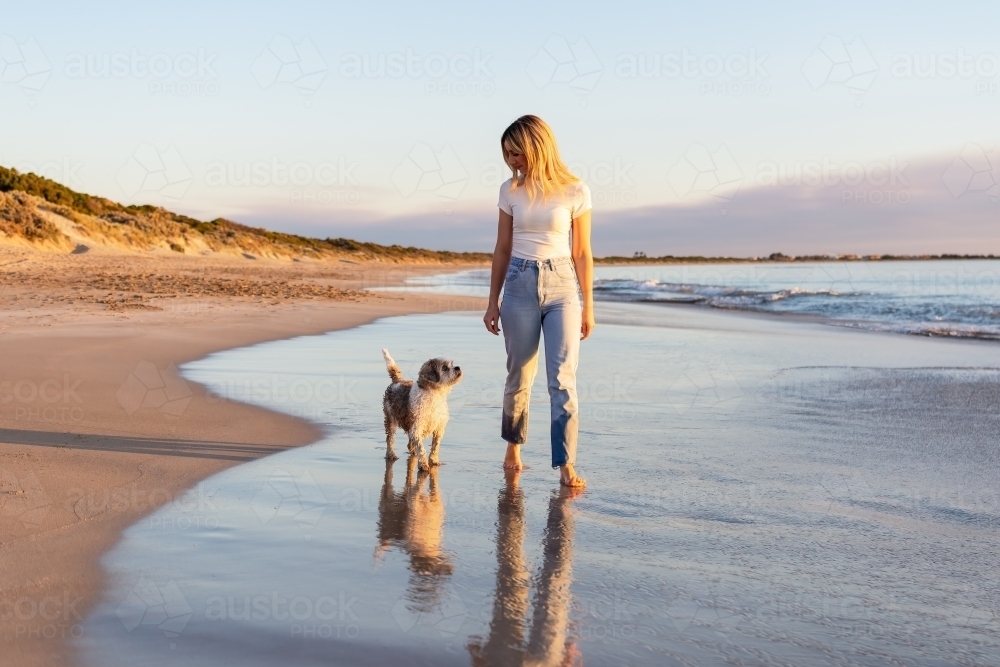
[413, 521]
[547, 641]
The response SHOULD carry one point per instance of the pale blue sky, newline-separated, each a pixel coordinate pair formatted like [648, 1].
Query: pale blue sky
[678, 162]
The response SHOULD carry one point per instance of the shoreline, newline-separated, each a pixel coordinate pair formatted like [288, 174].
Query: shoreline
[89, 444]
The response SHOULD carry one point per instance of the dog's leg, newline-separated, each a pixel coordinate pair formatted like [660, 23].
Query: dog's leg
[390, 436]
[418, 443]
[438, 435]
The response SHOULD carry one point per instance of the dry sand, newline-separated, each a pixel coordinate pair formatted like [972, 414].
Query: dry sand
[78, 336]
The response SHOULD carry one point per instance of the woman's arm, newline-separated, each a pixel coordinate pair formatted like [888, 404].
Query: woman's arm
[583, 260]
[501, 260]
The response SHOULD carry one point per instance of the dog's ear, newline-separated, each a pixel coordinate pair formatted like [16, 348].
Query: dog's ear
[429, 374]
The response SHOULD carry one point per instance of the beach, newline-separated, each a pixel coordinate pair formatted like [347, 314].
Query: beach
[195, 472]
[82, 458]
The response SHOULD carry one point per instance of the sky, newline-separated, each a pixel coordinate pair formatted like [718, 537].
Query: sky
[712, 128]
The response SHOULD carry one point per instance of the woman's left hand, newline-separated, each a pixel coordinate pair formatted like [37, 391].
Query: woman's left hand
[587, 325]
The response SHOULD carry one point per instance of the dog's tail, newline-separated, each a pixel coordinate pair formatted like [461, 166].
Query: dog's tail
[390, 365]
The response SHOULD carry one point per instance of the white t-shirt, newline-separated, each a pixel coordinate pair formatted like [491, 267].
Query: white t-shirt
[542, 227]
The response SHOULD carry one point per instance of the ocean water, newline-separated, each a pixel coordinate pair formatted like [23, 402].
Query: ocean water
[959, 298]
[761, 492]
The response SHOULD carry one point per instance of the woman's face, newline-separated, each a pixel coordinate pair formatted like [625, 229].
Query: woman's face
[517, 161]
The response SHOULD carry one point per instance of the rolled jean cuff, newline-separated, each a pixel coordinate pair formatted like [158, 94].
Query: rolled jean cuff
[514, 429]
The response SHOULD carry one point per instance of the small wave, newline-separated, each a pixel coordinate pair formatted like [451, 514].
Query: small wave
[716, 295]
[925, 329]
[927, 315]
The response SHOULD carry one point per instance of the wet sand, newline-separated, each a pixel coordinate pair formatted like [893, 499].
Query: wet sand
[761, 491]
[97, 429]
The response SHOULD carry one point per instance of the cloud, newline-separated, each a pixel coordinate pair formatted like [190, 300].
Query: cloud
[558, 61]
[920, 217]
[284, 61]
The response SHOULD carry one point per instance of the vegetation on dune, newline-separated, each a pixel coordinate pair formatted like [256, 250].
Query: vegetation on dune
[54, 193]
[20, 219]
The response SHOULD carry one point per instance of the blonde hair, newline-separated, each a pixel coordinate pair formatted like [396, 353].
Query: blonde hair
[532, 137]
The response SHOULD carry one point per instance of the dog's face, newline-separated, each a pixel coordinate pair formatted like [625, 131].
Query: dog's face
[438, 373]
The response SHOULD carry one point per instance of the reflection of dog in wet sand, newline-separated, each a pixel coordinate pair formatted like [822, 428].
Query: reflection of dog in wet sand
[420, 409]
[413, 521]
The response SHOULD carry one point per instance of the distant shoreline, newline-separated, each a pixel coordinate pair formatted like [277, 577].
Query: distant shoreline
[779, 258]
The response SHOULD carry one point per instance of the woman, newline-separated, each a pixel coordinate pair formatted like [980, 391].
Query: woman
[543, 262]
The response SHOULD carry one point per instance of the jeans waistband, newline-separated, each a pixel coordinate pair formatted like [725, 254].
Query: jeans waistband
[521, 263]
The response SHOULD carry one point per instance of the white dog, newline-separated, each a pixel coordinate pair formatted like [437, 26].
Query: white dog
[420, 409]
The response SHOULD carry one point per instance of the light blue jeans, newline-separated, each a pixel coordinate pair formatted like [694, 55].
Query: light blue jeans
[542, 297]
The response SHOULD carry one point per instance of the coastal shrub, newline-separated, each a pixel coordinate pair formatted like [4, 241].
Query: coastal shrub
[20, 219]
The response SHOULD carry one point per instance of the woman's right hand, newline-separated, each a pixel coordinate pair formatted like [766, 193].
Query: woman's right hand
[501, 262]
[492, 319]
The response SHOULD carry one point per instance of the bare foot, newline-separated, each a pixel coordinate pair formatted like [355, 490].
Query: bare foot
[568, 477]
[512, 460]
